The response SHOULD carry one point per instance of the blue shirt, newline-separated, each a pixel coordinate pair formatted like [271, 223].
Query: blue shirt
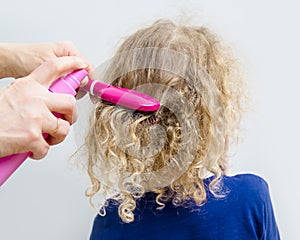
[245, 213]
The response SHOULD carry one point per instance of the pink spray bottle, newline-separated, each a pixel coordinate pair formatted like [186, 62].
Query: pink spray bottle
[68, 85]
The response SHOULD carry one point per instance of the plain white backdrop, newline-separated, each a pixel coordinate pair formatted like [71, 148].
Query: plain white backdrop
[45, 199]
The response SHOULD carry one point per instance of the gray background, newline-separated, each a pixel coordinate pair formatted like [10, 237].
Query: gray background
[45, 199]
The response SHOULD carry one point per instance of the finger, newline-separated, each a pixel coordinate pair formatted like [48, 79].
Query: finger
[92, 75]
[56, 128]
[66, 48]
[49, 71]
[60, 133]
[80, 94]
[63, 104]
[39, 148]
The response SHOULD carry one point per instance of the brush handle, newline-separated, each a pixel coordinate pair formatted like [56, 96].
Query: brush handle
[66, 85]
[122, 96]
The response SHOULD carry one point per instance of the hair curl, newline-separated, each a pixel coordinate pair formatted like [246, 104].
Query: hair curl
[123, 146]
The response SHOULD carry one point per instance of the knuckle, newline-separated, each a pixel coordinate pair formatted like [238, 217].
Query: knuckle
[41, 151]
[37, 145]
[51, 65]
[32, 135]
[36, 118]
[68, 47]
[44, 150]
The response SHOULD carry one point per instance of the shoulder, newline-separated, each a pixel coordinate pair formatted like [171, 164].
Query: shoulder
[249, 185]
[248, 179]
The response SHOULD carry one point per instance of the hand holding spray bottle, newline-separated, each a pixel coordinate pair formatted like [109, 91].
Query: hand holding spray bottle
[68, 85]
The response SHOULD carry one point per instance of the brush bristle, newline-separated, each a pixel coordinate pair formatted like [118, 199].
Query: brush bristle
[150, 120]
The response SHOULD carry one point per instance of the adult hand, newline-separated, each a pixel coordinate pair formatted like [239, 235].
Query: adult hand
[26, 108]
[19, 60]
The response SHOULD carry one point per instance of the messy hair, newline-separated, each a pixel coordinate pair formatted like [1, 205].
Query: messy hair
[168, 152]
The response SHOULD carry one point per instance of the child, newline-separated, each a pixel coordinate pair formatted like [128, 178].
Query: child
[164, 173]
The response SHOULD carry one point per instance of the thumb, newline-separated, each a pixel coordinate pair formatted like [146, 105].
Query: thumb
[49, 71]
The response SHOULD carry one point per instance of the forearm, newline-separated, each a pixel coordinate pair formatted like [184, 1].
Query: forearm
[6, 60]
[19, 60]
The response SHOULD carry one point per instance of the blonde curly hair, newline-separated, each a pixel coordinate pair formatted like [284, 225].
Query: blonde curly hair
[201, 96]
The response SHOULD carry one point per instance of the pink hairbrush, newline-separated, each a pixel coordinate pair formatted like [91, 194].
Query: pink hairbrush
[68, 85]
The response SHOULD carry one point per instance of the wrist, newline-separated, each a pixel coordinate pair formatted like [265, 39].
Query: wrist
[8, 60]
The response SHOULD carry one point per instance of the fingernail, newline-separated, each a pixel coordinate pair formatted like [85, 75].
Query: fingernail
[84, 81]
[83, 65]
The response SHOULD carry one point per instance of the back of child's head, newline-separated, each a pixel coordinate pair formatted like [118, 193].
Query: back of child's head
[170, 151]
